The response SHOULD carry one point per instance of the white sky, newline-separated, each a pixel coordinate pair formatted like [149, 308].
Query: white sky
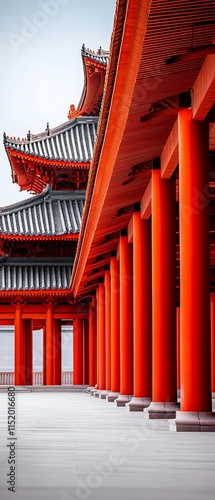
[41, 66]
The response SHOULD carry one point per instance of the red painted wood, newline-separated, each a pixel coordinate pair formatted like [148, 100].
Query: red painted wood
[163, 289]
[86, 352]
[19, 347]
[92, 345]
[78, 352]
[108, 329]
[126, 317]
[57, 352]
[212, 295]
[28, 334]
[195, 264]
[49, 345]
[115, 330]
[142, 304]
[178, 347]
[44, 355]
[101, 337]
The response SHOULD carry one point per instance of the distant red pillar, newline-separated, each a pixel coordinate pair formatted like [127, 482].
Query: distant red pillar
[78, 352]
[28, 333]
[142, 304]
[194, 264]
[49, 345]
[92, 343]
[164, 386]
[126, 319]
[115, 327]
[86, 352]
[19, 347]
[101, 336]
[57, 352]
[178, 347]
[44, 355]
[213, 341]
[108, 329]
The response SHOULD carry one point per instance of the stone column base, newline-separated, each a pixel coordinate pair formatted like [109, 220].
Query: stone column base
[193, 422]
[91, 392]
[112, 396]
[88, 389]
[104, 394]
[97, 392]
[122, 400]
[161, 410]
[138, 404]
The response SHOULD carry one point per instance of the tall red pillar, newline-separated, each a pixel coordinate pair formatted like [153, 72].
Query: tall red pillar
[107, 330]
[19, 347]
[142, 311]
[212, 295]
[44, 355]
[126, 320]
[194, 275]
[49, 345]
[57, 352]
[164, 390]
[28, 334]
[194, 264]
[115, 329]
[78, 369]
[86, 352]
[101, 338]
[178, 347]
[92, 344]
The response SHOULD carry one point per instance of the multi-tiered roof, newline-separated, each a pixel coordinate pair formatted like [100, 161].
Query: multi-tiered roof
[38, 236]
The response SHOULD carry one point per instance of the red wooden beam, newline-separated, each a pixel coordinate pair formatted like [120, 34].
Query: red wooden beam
[204, 89]
[146, 202]
[169, 156]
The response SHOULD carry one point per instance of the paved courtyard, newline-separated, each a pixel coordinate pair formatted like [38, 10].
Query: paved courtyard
[71, 446]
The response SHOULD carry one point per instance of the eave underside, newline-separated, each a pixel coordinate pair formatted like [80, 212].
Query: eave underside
[153, 103]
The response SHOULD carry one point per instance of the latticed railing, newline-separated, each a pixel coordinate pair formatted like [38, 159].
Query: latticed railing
[7, 378]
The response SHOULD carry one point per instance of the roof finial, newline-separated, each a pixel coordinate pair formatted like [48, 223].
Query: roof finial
[29, 135]
[47, 128]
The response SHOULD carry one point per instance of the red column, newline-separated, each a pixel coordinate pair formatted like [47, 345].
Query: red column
[108, 329]
[92, 344]
[28, 332]
[77, 352]
[126, 319]
[142, 304]
[213, 341]
[194, 264]
[115, 325]
[49, 345]
[44, 355]
[19, 347]
[86, 352]
[101, 336]
[115, 330]
[57, 352]
[164, 388]
[178, 347]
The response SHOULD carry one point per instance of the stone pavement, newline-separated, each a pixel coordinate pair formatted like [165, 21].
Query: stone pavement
[72, 446]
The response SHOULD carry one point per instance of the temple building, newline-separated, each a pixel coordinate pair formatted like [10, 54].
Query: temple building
[121, 241]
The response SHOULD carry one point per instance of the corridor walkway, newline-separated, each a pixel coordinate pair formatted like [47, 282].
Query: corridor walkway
[71, 446]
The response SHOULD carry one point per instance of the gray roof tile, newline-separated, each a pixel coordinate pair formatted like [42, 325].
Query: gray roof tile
[51, 213]
[71, 142]
[34, 274]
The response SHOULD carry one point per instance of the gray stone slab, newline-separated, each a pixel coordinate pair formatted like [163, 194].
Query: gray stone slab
[73, 447]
